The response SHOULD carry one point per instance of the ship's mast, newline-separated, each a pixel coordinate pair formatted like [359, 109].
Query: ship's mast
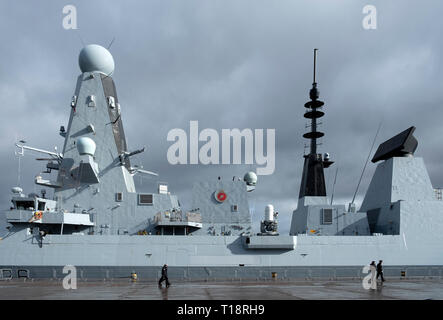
[313, 180]
[314, 114]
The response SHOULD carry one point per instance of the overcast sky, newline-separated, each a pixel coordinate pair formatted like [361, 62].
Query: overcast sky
[229, 64]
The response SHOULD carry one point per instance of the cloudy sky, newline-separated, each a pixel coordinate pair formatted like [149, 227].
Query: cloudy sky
[229, 64]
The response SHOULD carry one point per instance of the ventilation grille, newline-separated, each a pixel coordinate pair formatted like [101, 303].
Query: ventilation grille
[145, 199]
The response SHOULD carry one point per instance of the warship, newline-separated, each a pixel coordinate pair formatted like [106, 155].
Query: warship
[98, 222]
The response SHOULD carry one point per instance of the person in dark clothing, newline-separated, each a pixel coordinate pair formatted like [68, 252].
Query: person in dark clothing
[164, 276]
[380, 271]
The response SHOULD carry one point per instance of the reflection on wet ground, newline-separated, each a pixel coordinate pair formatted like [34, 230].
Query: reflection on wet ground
[268, 290]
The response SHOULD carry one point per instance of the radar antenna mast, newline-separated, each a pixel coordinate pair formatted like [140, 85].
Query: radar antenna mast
[313, 180]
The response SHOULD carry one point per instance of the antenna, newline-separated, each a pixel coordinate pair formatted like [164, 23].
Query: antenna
[19, 156]
[373, 142]
[313, 181]
[315, 62]
[81, 40]
[333, 186]
[110, 44]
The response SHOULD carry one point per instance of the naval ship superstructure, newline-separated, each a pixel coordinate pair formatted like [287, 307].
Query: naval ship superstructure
[99, 223]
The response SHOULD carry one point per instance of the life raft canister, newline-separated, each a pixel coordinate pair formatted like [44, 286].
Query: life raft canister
[220, 196]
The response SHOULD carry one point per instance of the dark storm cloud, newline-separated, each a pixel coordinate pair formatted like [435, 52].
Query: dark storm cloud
[230, 64]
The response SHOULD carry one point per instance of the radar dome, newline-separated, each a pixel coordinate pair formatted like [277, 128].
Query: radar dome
[85, 146]
[95, 58]
[250, 178]
[17, 190]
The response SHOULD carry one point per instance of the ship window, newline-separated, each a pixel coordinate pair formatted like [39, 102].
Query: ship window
[25, 205]
[41, 206]
[326, 217]
[145, 199]
[118, 197]
[234, 208]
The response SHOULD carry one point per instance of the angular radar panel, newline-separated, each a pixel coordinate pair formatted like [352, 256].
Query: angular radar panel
[401, 145]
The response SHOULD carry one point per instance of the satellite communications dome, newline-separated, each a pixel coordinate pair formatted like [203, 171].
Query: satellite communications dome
[250, 178]
[86, 145]
[17, 190]
[96, 58]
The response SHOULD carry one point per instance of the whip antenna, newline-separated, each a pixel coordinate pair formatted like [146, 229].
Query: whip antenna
[110, 44]
[333, 186]
[373, 142]
[315, 63]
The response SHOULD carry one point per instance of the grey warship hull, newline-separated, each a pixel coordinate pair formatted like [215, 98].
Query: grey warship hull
[223, 258]
[99, 223]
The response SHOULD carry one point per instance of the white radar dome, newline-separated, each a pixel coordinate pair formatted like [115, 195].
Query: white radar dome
[17, 190]
[95, 58]
[250, 178]
[86, 145]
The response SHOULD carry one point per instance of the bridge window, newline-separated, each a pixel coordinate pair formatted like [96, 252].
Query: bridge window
[24, 205]
[41, 206]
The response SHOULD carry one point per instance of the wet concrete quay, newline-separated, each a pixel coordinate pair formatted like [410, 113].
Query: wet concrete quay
[25, 289]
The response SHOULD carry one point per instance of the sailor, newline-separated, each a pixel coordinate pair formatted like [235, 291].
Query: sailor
[380, 271]
[373, 279]
[164, 276]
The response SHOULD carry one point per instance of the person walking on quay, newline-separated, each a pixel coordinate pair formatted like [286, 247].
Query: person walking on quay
[164, 276]
[380, 271]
